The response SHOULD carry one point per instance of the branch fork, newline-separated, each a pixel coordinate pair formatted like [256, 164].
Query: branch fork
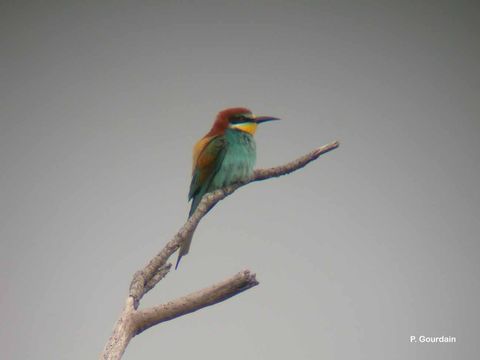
[133, 321]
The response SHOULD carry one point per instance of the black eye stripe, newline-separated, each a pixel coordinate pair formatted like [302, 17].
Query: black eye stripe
[238, 119]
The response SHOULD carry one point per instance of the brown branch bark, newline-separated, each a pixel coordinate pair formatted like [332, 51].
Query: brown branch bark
[133, 321]
[214, 294]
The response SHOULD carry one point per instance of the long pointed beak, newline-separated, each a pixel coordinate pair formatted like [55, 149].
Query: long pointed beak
[261, 119]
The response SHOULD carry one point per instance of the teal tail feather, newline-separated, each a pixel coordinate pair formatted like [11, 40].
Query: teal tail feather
[187, 242]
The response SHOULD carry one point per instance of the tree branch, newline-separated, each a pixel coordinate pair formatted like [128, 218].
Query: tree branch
[214, 294]
[207, 203]
[133, 321]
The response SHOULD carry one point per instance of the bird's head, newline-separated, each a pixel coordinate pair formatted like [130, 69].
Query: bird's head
[239, 118]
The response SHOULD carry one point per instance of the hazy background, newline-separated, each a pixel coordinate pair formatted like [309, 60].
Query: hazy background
[101, 103]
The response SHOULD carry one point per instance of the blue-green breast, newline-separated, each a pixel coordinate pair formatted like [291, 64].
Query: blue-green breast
[239, 160]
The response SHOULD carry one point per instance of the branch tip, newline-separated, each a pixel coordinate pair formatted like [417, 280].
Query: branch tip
[132, 321]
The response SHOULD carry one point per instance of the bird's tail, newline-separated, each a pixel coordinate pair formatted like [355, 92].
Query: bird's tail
[184, 249]
[186, 243]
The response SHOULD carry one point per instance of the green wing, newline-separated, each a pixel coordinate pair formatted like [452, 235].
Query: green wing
[207, 165]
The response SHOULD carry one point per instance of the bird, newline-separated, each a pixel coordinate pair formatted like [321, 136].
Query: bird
[224, 156]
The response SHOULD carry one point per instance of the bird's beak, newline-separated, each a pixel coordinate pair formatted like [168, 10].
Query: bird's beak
[261, 119]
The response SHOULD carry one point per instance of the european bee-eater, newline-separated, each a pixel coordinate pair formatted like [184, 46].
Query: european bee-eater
[224, 156]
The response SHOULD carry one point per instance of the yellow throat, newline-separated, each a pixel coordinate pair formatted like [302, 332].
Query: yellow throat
[248, 127]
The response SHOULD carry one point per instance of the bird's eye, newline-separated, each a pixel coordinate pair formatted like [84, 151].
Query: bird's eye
[236, 119]
[240, 118]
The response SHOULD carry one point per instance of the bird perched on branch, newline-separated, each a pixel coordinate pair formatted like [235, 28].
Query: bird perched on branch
[224, 156]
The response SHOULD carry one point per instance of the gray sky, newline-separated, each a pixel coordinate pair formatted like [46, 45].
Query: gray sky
[101, 103]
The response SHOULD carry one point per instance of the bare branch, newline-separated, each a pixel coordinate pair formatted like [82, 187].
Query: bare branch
[263, 174]
[132, 321]
[214, 294]
[162, 272]
[123, 332]
[207, 203]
